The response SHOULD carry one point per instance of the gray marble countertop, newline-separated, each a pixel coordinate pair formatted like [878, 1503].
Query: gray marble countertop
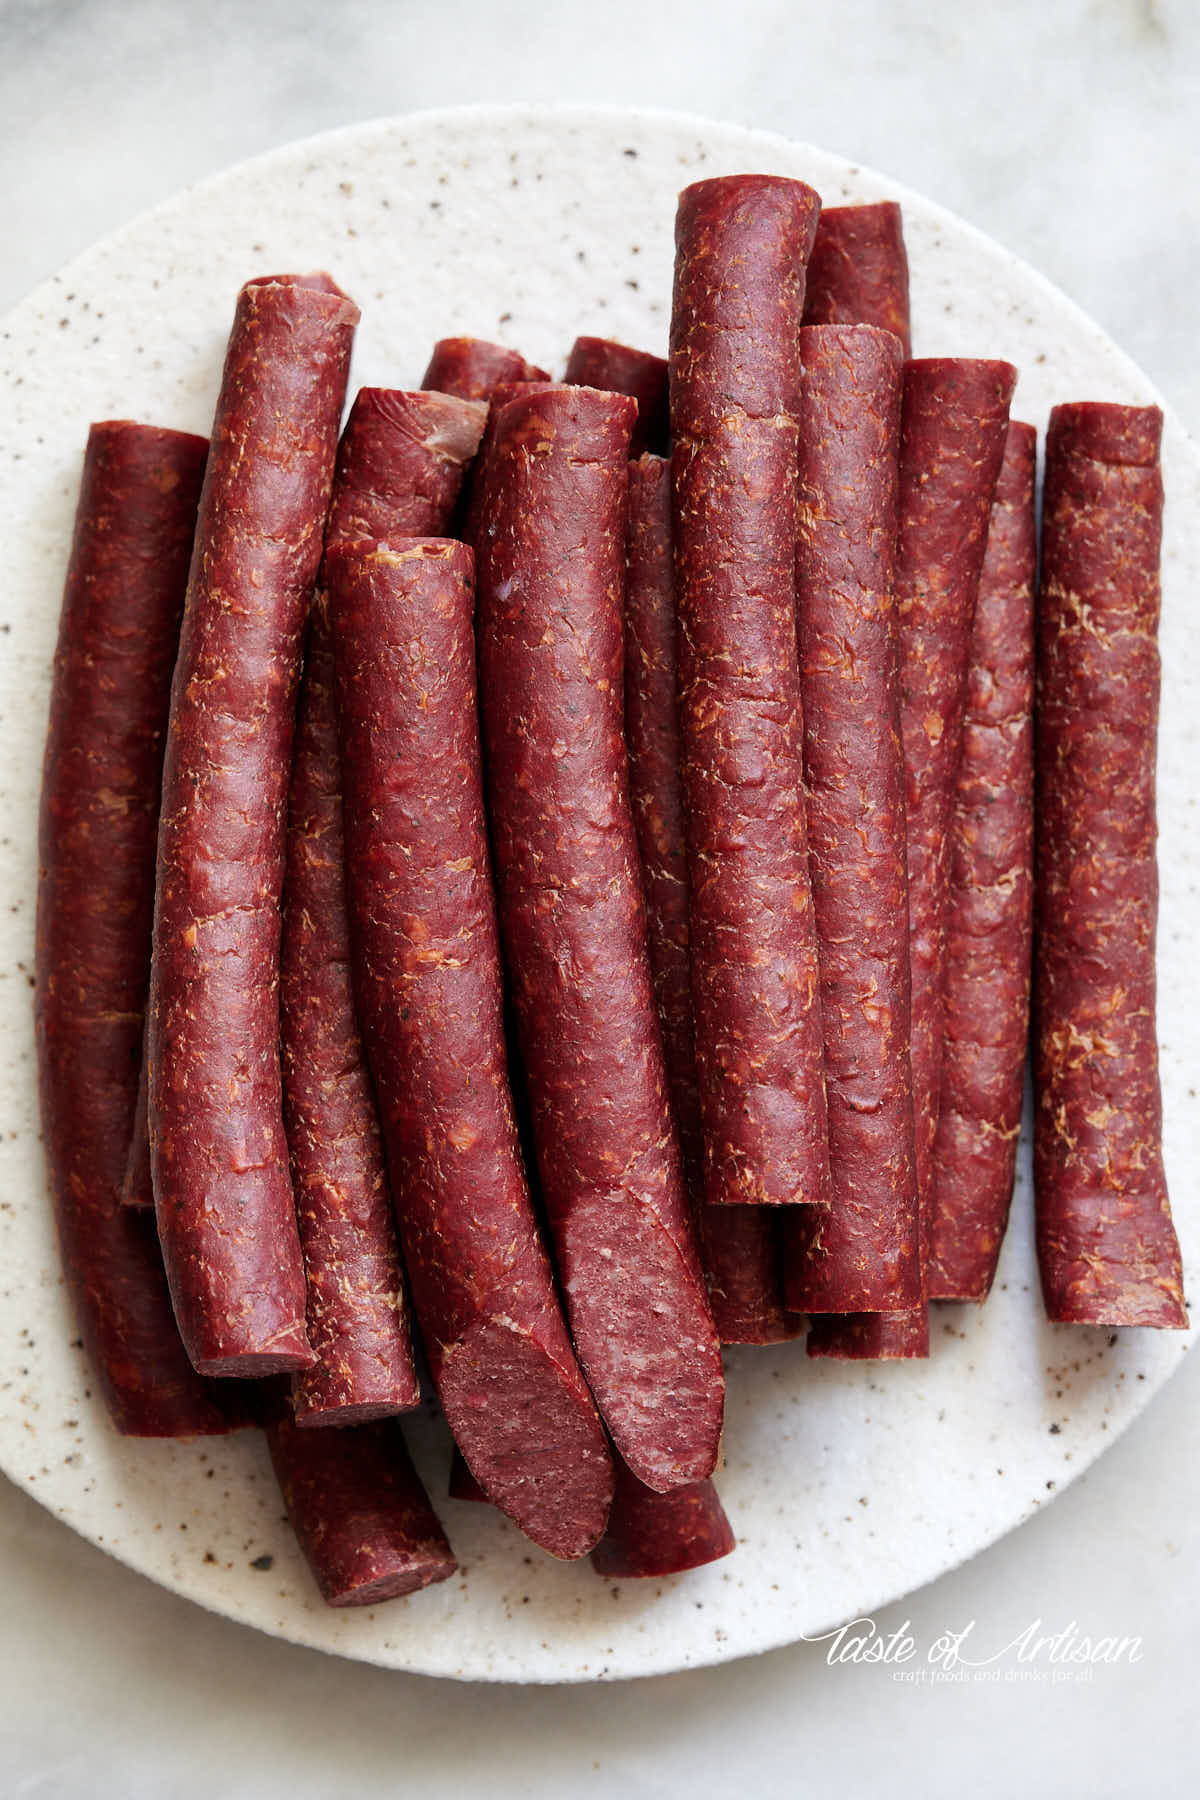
[1068, 129]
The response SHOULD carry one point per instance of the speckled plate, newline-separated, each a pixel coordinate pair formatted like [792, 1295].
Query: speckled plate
[848, 1486]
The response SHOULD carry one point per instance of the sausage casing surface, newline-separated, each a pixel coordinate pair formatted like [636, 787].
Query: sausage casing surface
[741, 247]
[223, 1193]
[989, 924]
[1107, 1249]
[862, 1253]
[550, 533]
[428, 986]
[97, 832]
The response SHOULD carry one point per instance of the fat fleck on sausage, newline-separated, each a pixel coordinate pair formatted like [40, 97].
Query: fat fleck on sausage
[99, 819]
[989, 925]
[862, 1253]
[428, 985]
[742, 243]
[1107, 1249]
[223, 1195]
[550, 538]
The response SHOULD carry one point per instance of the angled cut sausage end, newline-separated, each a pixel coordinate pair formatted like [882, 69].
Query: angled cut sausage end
[652, 1351]
[529, 1435]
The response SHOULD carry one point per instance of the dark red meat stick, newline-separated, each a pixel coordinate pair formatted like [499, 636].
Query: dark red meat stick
[1107, 1249]
[357, 1311]
[603, 363]
[400, 467]
[858, 271]
[647, 1534]
[427, 978]
[472, 369]
[223, 1194]
[989, 923]
[862, 1253]
[359, 1511]
[954, 422]
[653, 1534]
[551, 544]
[99, 820]
[467, 523]
[401, 463]
[739, 1247]
[742, 243]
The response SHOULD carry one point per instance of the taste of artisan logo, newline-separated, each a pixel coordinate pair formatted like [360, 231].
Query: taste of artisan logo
[1033, 1654]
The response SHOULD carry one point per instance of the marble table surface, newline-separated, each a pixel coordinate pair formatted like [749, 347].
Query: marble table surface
[1068, 129]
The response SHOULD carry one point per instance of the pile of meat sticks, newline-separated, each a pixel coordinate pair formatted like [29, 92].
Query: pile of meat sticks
[601, 921]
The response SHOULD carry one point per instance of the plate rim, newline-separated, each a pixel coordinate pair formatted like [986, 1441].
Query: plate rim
[431, 117]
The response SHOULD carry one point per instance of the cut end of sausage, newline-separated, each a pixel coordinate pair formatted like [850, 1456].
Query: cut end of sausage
[318, 281]
[423, 1571]
[836, 1261]
[341, 308]
[959, 1287]
[1111, 1294]
[646, 1340]
[1106, 432]
[529, 1435]
[1159, 1311]
[361, 1413]
[717, 197]
[871, 1337]
[751, 1325]
[361, 1516]
[254, 1365]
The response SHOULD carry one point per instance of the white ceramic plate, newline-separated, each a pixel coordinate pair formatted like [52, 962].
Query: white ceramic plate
[848, 1486]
